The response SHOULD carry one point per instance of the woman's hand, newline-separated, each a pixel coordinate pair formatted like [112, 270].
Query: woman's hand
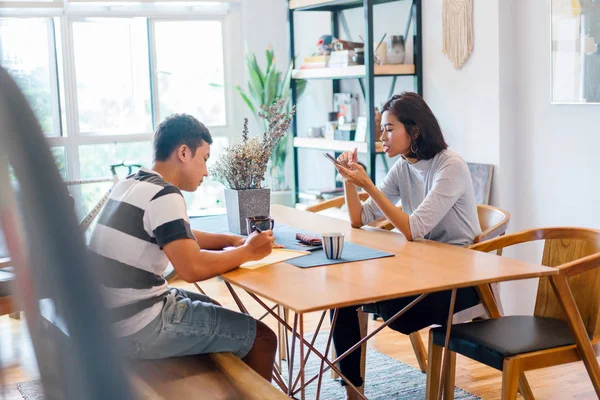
[355, 174]
[348, 157]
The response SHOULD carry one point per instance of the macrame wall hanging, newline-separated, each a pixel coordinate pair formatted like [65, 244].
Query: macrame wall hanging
[457, 27]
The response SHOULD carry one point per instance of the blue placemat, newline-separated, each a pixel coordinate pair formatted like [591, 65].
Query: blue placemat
[286, 236]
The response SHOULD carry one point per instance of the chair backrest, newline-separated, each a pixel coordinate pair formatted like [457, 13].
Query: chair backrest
[572, 244]
[481, 175]
[493, 222]
[562, 245]
[335, 202]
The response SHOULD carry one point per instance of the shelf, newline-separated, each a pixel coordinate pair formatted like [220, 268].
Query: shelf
[330, 5]
[334, 145]
[354, 71]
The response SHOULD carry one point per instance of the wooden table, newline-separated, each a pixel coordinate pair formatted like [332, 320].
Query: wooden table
[418, 267]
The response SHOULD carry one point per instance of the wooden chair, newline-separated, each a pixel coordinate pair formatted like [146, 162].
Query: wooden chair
[559, 332]
[493, 222]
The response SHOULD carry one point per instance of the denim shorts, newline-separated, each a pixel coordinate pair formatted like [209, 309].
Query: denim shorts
[189, 324]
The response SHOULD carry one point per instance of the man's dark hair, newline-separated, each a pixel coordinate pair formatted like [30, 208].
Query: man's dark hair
[426, 135]
[177, 130]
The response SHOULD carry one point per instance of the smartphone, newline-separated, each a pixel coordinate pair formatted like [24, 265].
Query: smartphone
[332, 159]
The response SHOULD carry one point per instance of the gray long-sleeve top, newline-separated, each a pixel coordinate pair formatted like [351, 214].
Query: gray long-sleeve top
[437, 194]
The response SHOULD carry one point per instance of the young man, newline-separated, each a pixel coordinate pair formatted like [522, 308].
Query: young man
[142, 227]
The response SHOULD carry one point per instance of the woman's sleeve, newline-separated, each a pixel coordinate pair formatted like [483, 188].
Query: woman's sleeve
[447, 188]
[390, 187]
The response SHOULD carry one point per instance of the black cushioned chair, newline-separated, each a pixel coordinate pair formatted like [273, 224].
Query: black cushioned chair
[559, 332]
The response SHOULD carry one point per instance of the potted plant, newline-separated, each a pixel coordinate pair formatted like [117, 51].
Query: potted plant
[243, 164]
[264, 87]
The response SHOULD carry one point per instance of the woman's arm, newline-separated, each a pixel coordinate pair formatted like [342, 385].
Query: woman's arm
[355, 175]
[395, 215]
[354, 205]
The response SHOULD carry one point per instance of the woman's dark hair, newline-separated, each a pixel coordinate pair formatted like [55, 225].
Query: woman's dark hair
[426, 135]
[177, 130]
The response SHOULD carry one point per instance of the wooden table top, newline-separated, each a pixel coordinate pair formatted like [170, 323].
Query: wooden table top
[418, 267]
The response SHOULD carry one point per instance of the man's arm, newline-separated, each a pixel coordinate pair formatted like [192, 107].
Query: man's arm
[194, 264]
[217, 241]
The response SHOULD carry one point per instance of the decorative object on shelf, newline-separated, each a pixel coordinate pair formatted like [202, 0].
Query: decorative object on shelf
[332, 125]
[341, 59]
[346, 105]
[361, 129]
[345, 131]
[575, 36]
[397, 50]
[359, 57]
[315, 132]
[380, 55]
[263, 88]
[339, 44]
[243, 164]
[457, 28]
[324, 45]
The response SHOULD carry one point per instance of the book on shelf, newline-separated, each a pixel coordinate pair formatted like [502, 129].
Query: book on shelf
[319, 61]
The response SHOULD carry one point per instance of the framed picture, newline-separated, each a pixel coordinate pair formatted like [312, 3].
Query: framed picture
[361, 130]
[575, 51]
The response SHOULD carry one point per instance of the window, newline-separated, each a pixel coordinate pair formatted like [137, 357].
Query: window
[27, 52]
[190, 78]
[61, 160]
[95, 162]
[113, 84]
[100, 77]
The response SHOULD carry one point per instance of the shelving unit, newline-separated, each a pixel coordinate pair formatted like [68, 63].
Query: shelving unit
[334, 145]
[354, 71]
[366, 73]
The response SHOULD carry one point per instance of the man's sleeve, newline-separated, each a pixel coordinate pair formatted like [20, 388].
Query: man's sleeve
[166, 217]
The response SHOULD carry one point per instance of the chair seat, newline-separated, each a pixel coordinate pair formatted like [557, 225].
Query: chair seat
[491, 341]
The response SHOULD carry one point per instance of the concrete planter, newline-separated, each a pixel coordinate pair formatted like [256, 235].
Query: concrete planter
[246, 203]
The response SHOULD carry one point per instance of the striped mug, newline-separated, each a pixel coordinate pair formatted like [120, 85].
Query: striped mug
[333, 244]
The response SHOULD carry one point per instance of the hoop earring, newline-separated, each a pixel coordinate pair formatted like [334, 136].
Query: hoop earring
[414, 151]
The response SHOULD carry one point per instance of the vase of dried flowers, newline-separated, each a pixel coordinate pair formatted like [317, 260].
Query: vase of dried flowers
[243, 164]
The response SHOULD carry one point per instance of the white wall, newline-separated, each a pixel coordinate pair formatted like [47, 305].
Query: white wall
[497, 109]
[465, 101]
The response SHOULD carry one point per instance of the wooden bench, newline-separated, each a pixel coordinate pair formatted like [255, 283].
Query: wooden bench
[212, 376]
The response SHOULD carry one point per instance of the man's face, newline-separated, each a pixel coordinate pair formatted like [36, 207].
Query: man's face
[195, 169]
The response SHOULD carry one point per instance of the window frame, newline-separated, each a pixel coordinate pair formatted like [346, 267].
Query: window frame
[67, 12]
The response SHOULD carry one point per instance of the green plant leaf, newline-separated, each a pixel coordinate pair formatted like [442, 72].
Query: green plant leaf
[217, 85]
[246, 99]
[270, 56]
[270, 86]
[256, 82]
[300, 87]
[285, 85]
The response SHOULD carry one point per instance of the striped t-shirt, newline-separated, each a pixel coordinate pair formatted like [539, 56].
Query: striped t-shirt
[142, 214]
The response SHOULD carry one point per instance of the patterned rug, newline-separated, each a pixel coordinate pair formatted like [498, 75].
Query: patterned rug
[387, 379]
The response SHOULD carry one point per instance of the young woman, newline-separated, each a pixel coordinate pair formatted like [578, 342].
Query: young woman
[434, 187]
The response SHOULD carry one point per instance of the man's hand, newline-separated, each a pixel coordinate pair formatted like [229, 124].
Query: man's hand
[236, 241]
[260, 245]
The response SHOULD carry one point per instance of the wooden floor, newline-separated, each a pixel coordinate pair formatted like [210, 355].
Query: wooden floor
[560, 383]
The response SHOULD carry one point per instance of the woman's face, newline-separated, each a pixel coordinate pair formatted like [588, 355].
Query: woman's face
[394, 136]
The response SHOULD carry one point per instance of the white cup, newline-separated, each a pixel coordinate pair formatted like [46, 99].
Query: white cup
[333, 244]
